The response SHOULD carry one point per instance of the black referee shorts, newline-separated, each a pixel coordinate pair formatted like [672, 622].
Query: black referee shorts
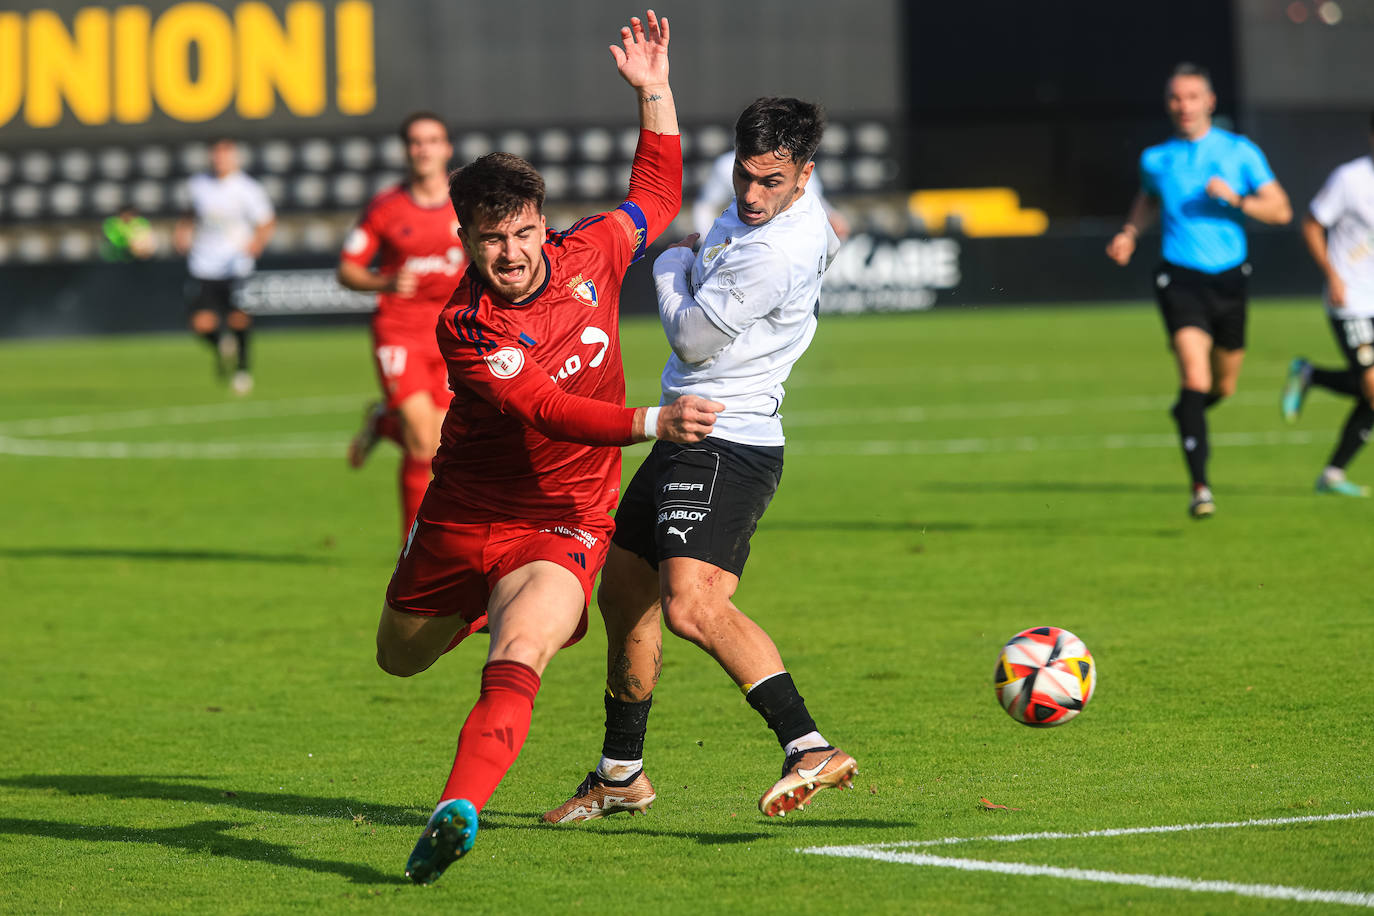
[702, 501]
[1216, 303]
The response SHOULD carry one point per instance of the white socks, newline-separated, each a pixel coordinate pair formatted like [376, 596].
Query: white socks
[618, 770]
[805, 743]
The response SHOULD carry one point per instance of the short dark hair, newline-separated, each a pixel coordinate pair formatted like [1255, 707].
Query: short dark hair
[1187, 68]
[494, 188]
[778, 124]
[404, 130]
[217, 139]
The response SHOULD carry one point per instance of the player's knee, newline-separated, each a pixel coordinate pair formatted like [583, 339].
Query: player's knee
[397, 662]
[204, 322]
[239, 321]
[687, 616]
[1224, 387]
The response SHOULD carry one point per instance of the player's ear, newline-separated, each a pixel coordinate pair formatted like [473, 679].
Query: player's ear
[805, 175]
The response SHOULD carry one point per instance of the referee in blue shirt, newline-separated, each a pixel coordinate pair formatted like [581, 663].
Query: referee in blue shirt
[1201, 184]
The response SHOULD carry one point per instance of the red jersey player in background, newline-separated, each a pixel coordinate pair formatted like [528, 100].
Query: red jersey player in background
[413, 230]
[516, 523]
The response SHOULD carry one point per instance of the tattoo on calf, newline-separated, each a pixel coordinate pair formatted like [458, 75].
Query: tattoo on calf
[620, 679]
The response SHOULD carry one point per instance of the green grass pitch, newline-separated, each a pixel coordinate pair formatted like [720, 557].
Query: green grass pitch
[193, 721]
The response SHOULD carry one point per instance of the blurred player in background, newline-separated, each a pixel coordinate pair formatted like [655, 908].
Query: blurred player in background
[127, 237]
[719, 190]
[1201, 184]
[413, 231]
[230, 223]
[738, 314]
[1339, 231]
[515, 526]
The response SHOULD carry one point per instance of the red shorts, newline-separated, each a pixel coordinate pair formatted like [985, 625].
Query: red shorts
[408, 360]
[448, 568]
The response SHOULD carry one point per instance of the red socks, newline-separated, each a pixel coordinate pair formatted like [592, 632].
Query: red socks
[493, 733]
[389, 427]
[414, 482]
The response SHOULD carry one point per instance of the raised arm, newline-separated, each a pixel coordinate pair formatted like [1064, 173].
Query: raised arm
[642, 59]
[656, 176]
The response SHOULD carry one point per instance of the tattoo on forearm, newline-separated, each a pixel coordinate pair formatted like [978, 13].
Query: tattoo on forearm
[653, 98]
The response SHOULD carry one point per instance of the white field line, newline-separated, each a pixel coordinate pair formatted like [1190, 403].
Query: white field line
[1002, 445]
[1117, 831]
[22, 437]
[887, 852]
[186, 416]
[993, 410]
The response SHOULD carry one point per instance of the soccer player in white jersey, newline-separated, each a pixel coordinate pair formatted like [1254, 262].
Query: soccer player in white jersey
[738, 311]
[230, 222]
[719, 190]
[1339, 231]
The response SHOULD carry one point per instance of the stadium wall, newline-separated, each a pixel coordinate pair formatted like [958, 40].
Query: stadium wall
[874, 272]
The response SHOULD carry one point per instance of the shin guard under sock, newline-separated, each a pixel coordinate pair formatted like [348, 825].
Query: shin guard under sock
[782, 707]
[414, 482]
[494, 732]
[1354, 435]
[1190, 416]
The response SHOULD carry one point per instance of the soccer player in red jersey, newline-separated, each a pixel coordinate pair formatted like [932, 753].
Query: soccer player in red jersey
[412, 232]
[516, 523]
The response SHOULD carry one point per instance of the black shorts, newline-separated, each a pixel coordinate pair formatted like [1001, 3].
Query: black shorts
[211, 295]
[1355, 337]
[1216, 303]
[702, 501]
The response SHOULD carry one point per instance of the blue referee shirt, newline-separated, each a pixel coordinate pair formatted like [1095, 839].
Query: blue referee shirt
[1199, 232]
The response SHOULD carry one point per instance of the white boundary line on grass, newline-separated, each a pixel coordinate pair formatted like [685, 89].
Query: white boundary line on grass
[28, 438]
[887, 852]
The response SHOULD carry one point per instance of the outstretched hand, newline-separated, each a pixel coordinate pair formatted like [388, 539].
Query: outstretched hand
[642, 55]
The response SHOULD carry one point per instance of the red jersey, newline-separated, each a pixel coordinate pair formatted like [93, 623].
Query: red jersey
[537, 416]
[422, 239]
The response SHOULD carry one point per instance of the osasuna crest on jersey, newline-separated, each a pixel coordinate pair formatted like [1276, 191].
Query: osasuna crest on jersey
[583, 290]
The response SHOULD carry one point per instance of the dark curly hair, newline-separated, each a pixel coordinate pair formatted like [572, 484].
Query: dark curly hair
[771, 124]
[494, 188]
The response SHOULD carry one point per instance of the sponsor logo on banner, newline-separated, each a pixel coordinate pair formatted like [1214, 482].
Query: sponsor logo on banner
[506, 362]
[874, 273]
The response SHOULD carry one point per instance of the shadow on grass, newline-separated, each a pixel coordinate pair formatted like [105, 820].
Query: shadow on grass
[1109, 487]
[161, 554]
[201, 838]
[1069, 526]
[150, 787]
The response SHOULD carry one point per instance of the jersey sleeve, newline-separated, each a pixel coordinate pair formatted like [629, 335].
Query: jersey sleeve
[363, 240]
[1254, 168]
[1329, 203]
[745, 287]
[260, 209]
[1147, 178]
[502, 373]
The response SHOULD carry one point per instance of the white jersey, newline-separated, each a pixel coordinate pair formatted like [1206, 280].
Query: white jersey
[1345, 206]
[227, 211]
[719, 190]
[759, 284]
